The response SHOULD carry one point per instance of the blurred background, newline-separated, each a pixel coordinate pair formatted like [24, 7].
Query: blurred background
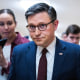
[68, 12]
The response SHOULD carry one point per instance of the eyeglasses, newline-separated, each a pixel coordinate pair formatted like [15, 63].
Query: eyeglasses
[41, 27]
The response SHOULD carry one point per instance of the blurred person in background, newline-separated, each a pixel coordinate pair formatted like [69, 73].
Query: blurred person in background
[7, 30]
[73, 34]
[63, 36]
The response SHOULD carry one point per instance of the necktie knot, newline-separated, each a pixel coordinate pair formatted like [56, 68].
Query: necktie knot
[44, 51]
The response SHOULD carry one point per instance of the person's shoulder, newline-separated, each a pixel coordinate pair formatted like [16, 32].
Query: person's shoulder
[25, 45]
[19, 39]
[68, 48]
[24, 40]
[67, 44]
[70, 45]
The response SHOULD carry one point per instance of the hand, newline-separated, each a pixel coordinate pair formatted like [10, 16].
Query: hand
[3, 61]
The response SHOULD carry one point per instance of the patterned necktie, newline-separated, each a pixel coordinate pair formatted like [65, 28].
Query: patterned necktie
[42, 71]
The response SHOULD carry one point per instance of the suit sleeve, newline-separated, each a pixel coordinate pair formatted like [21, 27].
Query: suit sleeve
[12, 74]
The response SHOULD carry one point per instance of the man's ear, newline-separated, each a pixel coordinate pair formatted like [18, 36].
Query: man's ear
[56, 22]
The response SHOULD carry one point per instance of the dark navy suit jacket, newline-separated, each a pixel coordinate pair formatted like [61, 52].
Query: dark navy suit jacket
[66, 66]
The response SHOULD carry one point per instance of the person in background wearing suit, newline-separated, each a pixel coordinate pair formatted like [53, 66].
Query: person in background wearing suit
[7, 30]
[73, 34]
[31, 61]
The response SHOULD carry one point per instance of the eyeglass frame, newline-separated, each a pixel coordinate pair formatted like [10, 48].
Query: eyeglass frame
[38, 26]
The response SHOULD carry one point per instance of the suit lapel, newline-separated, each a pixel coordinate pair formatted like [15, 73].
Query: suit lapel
[59, 59]
[31, 60]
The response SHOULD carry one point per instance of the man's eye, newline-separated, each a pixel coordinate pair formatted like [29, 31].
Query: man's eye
[32, 27]
[42, 25]
[72, 37]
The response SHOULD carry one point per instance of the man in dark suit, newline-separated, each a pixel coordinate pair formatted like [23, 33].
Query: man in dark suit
[60, 62]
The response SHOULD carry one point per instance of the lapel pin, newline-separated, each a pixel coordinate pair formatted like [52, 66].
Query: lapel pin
[60, 53]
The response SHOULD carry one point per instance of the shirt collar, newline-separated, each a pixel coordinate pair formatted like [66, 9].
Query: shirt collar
[50, 48]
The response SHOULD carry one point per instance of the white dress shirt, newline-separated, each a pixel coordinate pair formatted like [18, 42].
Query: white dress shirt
[50, 59]
[6, 53]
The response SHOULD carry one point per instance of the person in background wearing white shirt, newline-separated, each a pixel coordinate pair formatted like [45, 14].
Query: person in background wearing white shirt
[7, 30]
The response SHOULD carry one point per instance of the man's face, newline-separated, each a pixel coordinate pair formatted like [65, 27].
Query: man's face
[45, 37]
[73, 38]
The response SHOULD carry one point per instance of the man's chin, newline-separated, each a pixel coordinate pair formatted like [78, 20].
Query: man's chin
[38, 43]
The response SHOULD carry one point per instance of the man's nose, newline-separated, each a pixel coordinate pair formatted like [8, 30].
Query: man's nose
[37, 31]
